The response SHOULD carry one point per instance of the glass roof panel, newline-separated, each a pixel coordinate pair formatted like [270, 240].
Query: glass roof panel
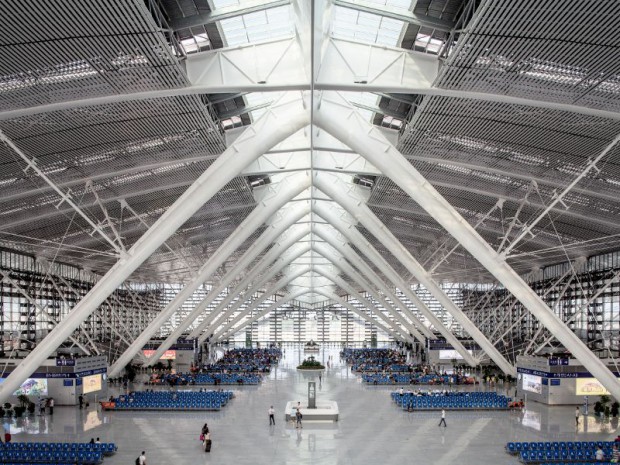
[403, 4]
[348, 23]
[273, 23]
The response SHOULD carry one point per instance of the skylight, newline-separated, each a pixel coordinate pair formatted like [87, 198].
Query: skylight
[366, 27]
[260, 26]
[259, 98]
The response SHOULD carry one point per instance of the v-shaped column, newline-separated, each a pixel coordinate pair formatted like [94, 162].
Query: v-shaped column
[336, 116]
[282, 283]
[335, 219]
[286, 190]
[277, 227]
[285, 118]
[332, 187]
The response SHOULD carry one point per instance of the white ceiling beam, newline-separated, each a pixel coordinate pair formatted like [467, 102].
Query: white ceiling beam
[245, 69]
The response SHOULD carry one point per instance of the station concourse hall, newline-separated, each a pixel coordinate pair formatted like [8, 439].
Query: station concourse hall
[327, 232]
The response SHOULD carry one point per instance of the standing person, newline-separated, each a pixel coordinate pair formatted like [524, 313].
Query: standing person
[298, 417]
[272, 416]
[576, 416]
[51, 405]
[615, 454]
[81, 401]
[204, 430]
[142, 458]
[443, 418]
[42, 402]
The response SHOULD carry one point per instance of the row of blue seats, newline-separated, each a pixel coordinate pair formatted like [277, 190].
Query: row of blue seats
[37, 463]
[107, 448]
[560, 455]
[455, 405]
[482, 400]
[516, 447]
[577, 463]
[484, 395]
[225, 378]
[195, 395]
[168, 405]
[184, 400]
[405, 379]
[85, 457]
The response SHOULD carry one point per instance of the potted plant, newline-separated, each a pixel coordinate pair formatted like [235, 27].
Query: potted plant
[130, 371]
[615, 408]
[19, 411]
[23, 400]
[311, 364]
[598, 408]
[31, 408]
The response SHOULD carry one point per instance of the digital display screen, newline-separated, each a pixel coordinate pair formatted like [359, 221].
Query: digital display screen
[168, 355]
[91, 383]
[32, 387]
[532, 383]
[450, 355]
[589, 387]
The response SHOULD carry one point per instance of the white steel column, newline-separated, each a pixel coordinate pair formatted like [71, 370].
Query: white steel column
[330, 253]
[283, 120]
[285, 190]
[347, 252]
[246, 294]
[404, 335]
[330, 185]
[281, 284]
[274, 306]
[359, 241]
[340, 301]
[336, 117]
[266, 238]
[241, 286]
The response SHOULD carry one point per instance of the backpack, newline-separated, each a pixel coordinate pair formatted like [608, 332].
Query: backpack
[138, 461]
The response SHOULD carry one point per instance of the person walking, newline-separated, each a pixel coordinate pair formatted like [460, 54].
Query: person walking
[577, 416]
[298, 417]
[81, 401]
[272, 416]
[207, 442]
[443, 418]
[50, 403]
[142, 458]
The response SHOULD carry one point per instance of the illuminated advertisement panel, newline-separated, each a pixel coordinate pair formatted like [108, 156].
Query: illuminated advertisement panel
[32, 387]
[168, 355]
[589, 387]
[450, 355]
[532, 383]
[91, 383]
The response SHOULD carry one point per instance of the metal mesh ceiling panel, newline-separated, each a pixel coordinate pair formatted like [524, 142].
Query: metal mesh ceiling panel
[560, 51]
[51, 52]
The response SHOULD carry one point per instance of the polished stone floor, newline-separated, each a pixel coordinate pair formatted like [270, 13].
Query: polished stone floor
[371, 429]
